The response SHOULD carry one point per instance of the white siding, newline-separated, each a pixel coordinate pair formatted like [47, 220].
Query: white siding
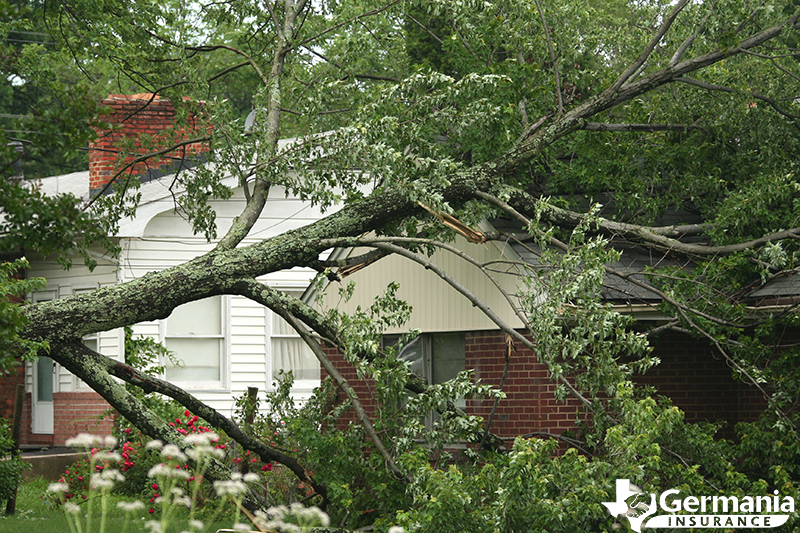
[160, 238]
[167, 240]
[65, 283]
[248, 346]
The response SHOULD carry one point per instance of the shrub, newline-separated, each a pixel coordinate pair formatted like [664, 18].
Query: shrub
[11, 466]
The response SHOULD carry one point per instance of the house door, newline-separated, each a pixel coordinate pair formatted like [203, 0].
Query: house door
[42, 404]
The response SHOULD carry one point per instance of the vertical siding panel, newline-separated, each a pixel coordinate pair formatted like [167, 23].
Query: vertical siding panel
[437, 306]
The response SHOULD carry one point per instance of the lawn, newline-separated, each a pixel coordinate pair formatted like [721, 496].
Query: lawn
[37, 514]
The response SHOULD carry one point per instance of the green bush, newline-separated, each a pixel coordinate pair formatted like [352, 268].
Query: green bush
[11, 466]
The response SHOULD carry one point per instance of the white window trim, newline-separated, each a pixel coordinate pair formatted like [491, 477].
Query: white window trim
[299, 385]
[223, 385]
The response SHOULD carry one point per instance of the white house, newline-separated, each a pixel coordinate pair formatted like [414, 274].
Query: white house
[227, 343]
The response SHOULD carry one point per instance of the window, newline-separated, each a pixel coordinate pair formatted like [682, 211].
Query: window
[436, 357]
[290, 352]
[197, 333]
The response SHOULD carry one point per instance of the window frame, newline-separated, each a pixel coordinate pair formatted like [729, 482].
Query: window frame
[428, 361]
[224, 338]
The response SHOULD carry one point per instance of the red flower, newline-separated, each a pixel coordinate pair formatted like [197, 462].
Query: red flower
[237, 460]
[127, 431]
[151, 510]
[187, 413]
[154, 486]
[177, 421]
[267, 467]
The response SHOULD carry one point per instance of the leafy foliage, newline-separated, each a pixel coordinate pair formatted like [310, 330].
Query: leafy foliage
[592, 124]
[12, 316]
[11, 466]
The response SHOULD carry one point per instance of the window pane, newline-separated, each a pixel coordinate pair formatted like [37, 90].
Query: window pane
[203, 317]
[293, 354]
[448, 356]
[90, 343]
[44, 379]
[412, 351]
[200, 357]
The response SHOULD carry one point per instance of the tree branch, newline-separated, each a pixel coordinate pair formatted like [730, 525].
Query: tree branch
[342, 383]
[662, 30]
[597, 126]
[96, 370]
[548, 38]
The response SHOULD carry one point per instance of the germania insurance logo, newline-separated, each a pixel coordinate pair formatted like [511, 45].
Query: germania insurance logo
[679, 511]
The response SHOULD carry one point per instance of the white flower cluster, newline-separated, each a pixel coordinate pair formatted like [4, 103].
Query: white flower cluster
[292, 519]
[231, 487]
[164, 471]
[107, 456]
[130, 507]
[88, 441]
[55, 488]
[170, 451]
[201, 439]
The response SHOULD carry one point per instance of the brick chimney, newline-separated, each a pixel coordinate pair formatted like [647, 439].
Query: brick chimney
[142, 124]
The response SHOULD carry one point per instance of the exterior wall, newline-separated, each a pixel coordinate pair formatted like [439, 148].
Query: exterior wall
[167, 240]
[8, 390]
[698, 383]
[437, 307]
[530, 405]
[74, 412]
[80, 412]
[75, 405]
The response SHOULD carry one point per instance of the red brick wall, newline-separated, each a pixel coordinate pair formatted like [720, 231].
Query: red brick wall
[700, 383]
[530, 405]
[80, 412]
[697, 381]
[73, 413]
[363, 388]
[8, 390]
[141, 117]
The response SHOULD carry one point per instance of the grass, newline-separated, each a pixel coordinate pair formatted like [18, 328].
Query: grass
[36, 514]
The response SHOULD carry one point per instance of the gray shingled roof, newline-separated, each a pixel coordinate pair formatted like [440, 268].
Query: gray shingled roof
[635, 260]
